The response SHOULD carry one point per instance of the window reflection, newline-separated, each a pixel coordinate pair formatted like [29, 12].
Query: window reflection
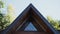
[30, 27]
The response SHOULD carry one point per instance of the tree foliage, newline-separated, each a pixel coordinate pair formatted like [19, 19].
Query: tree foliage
[4, 20]
[1, 4]
[10, 10]
[54, 23]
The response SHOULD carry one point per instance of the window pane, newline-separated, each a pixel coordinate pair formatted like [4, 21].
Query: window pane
[30, 27]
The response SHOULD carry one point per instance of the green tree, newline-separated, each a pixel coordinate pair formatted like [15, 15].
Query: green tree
[3, 18]
[1, 4]
[10, 10]
[54, 23]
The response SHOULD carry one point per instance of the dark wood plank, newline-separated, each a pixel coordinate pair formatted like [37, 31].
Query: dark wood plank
[30, 33]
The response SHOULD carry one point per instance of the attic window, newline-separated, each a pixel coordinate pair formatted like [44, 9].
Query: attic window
[30, 27]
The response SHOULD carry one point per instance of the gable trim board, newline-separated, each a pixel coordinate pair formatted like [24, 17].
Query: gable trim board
[26, 12]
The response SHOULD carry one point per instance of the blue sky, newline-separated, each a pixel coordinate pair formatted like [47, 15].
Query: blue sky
[45, 7]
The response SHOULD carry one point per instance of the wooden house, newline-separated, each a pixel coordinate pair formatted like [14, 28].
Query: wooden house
[30, 14]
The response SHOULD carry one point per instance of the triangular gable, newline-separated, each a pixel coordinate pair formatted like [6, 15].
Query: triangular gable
[30, 14]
